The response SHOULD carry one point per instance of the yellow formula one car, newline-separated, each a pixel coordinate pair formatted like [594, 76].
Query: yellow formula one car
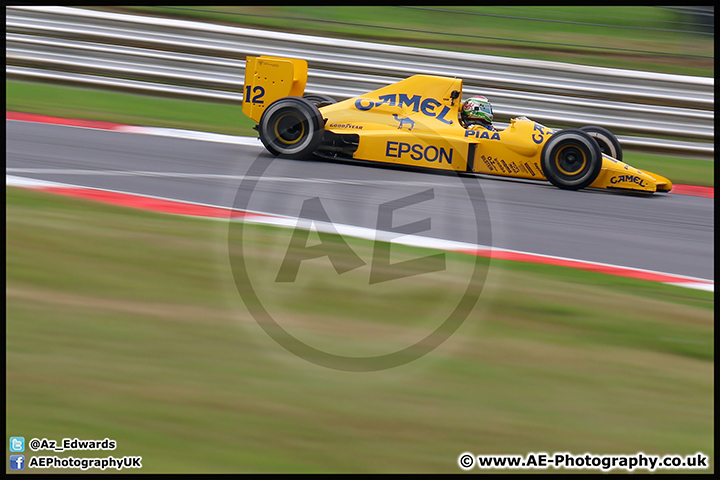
[415, 122]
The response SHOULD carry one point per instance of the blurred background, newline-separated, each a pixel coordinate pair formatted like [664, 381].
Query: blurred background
[127, 324]
[662, 39]
[650, 112]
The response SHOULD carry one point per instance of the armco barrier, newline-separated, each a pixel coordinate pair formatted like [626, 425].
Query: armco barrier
[649, 111]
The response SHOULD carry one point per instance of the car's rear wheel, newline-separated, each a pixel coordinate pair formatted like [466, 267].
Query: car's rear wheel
[291, 127]
[319, 99]
[571, 159]
[608, 142]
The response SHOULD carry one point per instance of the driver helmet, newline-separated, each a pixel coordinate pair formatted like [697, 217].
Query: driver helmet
[476, 110]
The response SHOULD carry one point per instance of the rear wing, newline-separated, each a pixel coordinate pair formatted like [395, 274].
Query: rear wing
[270, 78]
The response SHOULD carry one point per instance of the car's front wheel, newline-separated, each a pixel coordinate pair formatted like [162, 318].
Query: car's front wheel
[607, 141]
[291, 127]
[571, 159]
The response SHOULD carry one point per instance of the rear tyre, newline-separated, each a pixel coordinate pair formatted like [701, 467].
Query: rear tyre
[608, 143]
[319, 100]
[571, 159]
[291, 127]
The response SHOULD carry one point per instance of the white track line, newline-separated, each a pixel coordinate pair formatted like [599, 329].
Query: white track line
[410, 240]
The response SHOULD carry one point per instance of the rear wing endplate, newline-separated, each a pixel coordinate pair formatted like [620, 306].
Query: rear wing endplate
[270, 78]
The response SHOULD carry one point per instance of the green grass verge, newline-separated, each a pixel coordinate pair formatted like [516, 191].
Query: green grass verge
[680, 170]
[133, 109]
[127, 108]
[127, 324]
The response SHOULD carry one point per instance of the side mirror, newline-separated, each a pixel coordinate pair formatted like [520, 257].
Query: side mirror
[453, 96]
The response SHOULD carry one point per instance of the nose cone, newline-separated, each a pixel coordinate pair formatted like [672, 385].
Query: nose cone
[619, 175]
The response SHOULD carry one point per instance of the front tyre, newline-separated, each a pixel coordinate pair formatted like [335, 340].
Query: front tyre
[608, 143]
[571, 159]
[291, 127]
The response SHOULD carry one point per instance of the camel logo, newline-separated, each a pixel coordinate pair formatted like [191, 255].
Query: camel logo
[403, 121]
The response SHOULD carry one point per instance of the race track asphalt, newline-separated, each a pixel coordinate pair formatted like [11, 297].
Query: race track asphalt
[664, 232]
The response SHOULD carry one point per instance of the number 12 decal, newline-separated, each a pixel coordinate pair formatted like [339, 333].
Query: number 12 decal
[258, 91]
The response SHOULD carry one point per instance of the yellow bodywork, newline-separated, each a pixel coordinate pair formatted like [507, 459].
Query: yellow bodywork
[270, 78]
[415, 122]
[618, 175]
